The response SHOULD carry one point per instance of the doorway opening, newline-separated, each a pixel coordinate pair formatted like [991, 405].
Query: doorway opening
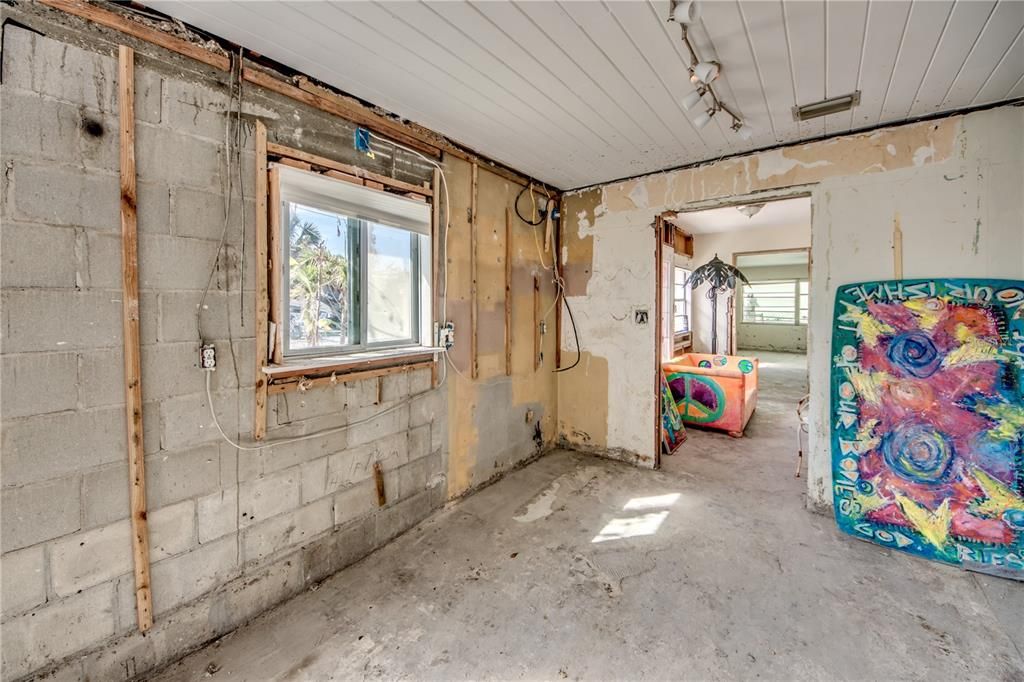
[734, 313]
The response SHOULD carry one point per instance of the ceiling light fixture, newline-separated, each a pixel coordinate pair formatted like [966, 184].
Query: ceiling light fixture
[750, 210]
[702, 73]
[833, 105]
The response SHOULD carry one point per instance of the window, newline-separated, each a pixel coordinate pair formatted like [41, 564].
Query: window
[775, 302]
[803, 300]
[681, 302]
[355, 268]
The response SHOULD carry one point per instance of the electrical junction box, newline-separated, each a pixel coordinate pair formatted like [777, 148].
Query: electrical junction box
[207, 357]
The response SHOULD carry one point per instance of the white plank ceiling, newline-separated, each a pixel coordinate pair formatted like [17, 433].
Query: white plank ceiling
[581, 92]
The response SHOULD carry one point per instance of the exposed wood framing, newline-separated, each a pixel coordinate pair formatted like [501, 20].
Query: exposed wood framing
[435, 259]
[352, 172]
[508, 292]
[536, 323]
[474, 299]
[302, 383]
[378, 477]
[346, 108]
[659, 225]
[324, 366]
[132, 351]
[259, 428]
[103, 17]
[410, 134]
[275, 252]
[292, 163]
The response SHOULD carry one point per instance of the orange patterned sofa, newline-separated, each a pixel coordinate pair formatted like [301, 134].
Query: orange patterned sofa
[714, 391]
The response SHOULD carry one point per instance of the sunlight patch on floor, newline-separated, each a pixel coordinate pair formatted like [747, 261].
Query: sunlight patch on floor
[638, 525]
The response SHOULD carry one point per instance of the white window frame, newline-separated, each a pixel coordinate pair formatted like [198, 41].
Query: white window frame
[688, 297]
[317, 195]
[797, 309]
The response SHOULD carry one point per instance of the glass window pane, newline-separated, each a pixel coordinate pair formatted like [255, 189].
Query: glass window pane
[769, 302]
[320, 299]
[391, 284]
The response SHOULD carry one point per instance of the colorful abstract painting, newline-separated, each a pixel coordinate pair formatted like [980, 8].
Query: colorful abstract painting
[928, 419]
[673, 431]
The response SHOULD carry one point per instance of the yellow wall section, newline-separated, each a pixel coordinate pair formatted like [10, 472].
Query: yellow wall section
[488, 428]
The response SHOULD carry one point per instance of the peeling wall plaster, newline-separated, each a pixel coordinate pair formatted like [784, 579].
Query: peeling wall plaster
[957, 184]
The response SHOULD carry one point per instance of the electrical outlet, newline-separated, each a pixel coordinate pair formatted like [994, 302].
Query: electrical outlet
[446, 335]
[207, 357]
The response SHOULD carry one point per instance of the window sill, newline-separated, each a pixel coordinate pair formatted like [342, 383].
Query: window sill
[340, 365]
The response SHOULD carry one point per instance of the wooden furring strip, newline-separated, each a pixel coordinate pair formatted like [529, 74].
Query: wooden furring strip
[508, 292]
[435, 260]
[342, 107]
[347, 169]
[104, 17]
[536, 323]
[132, 351]
[259, 428]
[303, 383]
[474, 299]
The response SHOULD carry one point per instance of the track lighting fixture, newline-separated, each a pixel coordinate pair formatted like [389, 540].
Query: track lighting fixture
[684, 11]
[702, 73]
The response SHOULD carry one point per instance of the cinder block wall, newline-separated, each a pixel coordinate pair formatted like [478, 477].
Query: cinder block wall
[232, 531]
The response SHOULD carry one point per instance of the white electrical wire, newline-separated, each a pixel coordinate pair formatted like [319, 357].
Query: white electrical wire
[444, 255]
[375, 415]
[296, 439]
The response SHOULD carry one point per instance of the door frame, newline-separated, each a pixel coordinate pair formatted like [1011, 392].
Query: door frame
[764, 196]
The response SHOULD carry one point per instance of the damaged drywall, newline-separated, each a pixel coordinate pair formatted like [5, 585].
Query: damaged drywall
[956, 184]
[494, 420]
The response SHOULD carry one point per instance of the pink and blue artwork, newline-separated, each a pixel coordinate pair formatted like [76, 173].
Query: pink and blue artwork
[928, 419]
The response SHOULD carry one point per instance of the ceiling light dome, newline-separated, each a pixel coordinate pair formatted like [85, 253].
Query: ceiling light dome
[750, 210]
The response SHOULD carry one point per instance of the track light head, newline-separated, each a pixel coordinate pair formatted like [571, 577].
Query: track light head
[706, 72]
[704, 118]
[742, 129]
[693, 99]
[685, 12]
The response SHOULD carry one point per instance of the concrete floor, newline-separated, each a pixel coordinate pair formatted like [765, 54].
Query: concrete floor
[582, 568]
